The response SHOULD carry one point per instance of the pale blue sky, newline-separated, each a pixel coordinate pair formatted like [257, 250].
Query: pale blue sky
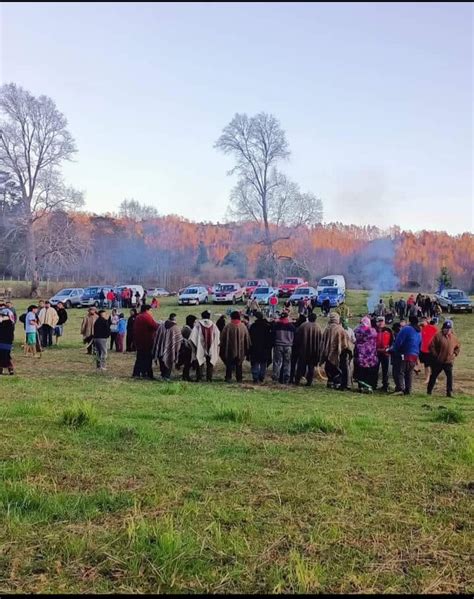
[376, 100]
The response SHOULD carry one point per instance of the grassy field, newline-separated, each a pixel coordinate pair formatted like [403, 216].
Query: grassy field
[113, 484]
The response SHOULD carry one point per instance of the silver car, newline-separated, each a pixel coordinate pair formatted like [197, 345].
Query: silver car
[69, 297]
[301, 293]
[193, 295]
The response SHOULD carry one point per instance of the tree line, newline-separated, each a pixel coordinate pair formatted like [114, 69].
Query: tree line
[273, 228]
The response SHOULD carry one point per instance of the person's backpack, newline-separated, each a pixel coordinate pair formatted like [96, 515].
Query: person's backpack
[23, 318]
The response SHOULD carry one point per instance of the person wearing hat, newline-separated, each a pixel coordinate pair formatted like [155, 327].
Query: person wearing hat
[384, 342]
[407, 344]
[444, 349]
[7, 331]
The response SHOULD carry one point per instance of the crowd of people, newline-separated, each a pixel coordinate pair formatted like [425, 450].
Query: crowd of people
[294, 345]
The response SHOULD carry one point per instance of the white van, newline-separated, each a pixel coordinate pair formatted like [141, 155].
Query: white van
[332, 281]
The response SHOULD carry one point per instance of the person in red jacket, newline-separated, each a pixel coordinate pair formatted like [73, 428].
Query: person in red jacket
[110, 298]
[144, 329]
[384, 342]
[428, 331]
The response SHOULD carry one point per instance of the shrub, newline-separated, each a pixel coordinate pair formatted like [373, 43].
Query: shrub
[79, 414]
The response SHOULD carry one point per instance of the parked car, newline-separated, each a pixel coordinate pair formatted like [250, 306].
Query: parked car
[335, 295]
[263, 294]
[69, 297]
[119, 288]
[454, 300]
[157, 292]
[332, 281]
[252, 284]
[301, 293]
[197, 294]
[289, 286]
[228, 292]
[90, 297]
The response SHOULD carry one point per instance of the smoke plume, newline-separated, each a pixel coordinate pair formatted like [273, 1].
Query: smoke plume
[378, 270]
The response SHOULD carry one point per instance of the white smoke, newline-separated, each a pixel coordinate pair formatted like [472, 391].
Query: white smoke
[378, 272]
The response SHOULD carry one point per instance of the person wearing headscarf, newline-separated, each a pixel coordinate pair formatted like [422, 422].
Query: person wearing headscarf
[166, 346]
[444, 349]
[334, 342]
[366, 361]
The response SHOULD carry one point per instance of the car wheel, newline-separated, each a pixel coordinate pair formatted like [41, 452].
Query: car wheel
[68, 304]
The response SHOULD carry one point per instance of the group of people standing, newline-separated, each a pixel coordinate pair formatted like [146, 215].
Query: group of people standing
[124, 298]
[41, 322]
[296, 348]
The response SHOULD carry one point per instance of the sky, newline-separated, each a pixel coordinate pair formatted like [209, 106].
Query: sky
[375, 98]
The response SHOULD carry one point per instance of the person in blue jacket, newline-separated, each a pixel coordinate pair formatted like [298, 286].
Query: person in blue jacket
[407, 345]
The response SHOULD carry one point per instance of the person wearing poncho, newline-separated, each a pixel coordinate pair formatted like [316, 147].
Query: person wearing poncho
[166, 346]
[234, 346]
[205, 339]
[308, 341]
[335, 341]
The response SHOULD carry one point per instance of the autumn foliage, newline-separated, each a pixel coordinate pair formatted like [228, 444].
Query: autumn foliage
[173, 251]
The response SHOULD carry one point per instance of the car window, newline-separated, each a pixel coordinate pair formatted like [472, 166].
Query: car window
[262, 290]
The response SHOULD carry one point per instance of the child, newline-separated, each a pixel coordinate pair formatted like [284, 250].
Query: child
[31, 330]
[121, 331]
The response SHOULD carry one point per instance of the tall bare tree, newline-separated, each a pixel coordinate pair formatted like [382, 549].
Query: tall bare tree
[257, 143]
[263, 193]
[34, 142]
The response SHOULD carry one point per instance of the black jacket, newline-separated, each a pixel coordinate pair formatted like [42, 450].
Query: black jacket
[261, 338]
[101, 328]
[62, 314]
[7, 329]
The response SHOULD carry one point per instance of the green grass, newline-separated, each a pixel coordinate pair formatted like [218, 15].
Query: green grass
[449, 416]
[181, 487]
[79, 414]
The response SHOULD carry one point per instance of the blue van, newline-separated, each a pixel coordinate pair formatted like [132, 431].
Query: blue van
[335, 295]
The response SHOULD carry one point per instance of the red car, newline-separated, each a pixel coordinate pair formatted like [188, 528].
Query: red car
[252, 284]
[289, 286]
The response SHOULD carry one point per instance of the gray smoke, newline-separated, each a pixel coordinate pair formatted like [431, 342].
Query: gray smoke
[378, 270]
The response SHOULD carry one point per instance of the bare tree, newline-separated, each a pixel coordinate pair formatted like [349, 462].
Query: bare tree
[287, 206]
[257, 143]
[34, 142]
[135, 211]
